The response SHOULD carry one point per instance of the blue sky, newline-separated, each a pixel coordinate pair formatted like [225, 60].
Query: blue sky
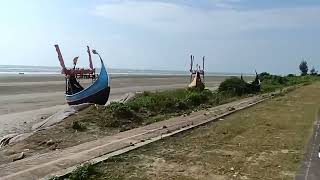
[234, 35]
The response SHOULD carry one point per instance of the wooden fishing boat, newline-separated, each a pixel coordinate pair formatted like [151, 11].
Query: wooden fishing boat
[98, 92]
[196, 74]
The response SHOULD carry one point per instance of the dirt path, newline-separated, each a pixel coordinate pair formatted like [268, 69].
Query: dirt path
[310, 168]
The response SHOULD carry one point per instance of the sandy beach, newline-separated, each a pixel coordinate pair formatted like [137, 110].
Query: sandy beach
[26, 99]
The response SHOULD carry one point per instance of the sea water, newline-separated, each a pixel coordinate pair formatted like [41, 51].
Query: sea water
[17, 69]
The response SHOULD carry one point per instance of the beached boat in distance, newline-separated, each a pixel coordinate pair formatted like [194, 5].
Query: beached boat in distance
[97, 93]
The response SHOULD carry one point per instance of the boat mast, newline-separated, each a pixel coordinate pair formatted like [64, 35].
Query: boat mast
[203, 67]
[191, 66]
[90, 58]
[62, 65]
[60, 58]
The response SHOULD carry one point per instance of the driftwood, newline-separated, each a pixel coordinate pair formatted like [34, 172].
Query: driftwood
[18, 157]
[6, 139]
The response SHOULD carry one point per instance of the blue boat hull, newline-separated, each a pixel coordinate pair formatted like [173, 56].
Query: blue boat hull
[100, 97]
[97, 93]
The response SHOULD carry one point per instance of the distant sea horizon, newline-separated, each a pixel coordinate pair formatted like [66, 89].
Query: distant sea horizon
[52, 70]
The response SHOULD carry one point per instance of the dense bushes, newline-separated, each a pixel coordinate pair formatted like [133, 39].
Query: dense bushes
[169, 101]
[120, 110]
[273, 82]
[117, 115]
[196, 98]
[239, 87]
[273, 79]
[234, 85]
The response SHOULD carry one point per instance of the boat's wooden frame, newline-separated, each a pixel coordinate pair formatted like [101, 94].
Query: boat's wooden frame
[97, 93]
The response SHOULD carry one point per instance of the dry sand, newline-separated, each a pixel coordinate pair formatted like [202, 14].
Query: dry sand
[25, 99]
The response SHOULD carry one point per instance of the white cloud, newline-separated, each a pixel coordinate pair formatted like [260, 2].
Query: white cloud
[226, 4]
[169, 17]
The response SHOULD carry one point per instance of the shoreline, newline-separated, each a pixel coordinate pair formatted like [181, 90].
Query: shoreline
[120, 75]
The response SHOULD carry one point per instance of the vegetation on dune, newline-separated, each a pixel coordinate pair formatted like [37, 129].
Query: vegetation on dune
[272, 82]
[150, 107]
[238, 87]
[234, 85]
[76, 125]
[84, 172]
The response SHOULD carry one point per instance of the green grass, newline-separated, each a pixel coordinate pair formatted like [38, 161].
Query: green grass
[273, 82]
[84, 172]
[76, 125]
[150, 107]
[263, 142]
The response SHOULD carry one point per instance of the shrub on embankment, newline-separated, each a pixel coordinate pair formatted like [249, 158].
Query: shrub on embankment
[239, 87]
[272, 82]
[235, 86]
[150, 107]
[83, 172]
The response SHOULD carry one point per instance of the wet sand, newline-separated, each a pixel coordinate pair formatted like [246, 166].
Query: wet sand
[25, 99]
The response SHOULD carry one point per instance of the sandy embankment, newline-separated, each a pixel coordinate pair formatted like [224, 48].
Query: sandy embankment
[25, 99]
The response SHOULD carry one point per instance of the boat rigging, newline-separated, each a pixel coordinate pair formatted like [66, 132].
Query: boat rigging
[98, 92]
